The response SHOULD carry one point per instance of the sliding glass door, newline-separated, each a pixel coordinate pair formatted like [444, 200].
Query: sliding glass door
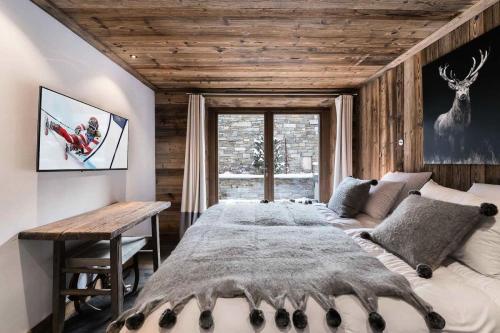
[241, 157]
[296, 156]
[265, 154]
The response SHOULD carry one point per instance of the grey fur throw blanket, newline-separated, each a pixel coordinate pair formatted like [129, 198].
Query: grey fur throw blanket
[269, 252]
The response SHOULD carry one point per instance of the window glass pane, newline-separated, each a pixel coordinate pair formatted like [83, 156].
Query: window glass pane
[296, 156]
[241, 156]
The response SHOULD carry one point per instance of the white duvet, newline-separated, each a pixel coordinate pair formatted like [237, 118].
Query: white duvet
[469, 302]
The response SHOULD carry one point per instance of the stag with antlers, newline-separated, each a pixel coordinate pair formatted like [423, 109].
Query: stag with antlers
[452, 124]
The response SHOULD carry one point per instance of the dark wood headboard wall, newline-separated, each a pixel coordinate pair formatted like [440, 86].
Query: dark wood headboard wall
[391, 107]
[171, 125]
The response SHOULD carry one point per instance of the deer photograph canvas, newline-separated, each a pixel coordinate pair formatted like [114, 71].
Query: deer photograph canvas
[461, 92]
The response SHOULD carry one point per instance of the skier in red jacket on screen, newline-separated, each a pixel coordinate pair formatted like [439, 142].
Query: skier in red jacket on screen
[83, 141]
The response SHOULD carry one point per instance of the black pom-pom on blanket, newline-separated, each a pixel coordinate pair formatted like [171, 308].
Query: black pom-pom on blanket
[135, 321]
[168, 319]
[488, 209]
[257, 318]
[206, 320]
[424, 271]
[299, 319]
[282, 318]
[333, 318]
[435, 321]
[374, 182]
[377, 323]
[365, 235]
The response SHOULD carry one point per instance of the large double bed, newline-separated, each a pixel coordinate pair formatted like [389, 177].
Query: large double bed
[466, 299]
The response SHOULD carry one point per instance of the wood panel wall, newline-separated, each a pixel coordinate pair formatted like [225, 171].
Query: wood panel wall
[391, 108]
[171, 126]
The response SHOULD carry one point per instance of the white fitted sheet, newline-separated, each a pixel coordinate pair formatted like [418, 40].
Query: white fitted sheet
[361, 221]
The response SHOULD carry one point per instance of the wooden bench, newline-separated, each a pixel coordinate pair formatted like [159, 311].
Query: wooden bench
[105, 224]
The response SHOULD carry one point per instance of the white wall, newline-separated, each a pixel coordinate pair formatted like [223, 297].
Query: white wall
[37, 50]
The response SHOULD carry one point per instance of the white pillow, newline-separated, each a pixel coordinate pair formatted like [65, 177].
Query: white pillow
[381, 198]
[481, 250]
[437, 192]
[486, 190]
[412, 180]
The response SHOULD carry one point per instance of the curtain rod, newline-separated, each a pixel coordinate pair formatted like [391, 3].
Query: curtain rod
[272, 94]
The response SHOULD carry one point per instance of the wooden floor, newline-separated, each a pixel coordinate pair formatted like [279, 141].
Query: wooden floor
[92, 321]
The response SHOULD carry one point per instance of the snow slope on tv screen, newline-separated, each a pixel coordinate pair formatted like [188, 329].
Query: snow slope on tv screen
[77, 136]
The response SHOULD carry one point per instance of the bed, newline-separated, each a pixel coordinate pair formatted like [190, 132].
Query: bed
[469, 301]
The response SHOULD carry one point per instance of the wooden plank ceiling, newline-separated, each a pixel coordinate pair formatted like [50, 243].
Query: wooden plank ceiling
[261, 44]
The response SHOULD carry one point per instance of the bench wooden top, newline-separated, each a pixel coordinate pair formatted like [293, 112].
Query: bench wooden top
[101, 224]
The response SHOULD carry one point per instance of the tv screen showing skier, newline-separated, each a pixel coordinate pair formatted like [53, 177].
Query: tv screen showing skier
[73, 135]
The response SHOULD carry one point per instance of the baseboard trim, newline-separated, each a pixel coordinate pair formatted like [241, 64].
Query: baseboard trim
[44, 326]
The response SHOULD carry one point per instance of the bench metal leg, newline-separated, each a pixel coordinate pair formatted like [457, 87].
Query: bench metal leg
[155, 242]
[116, 277]
[58, 284]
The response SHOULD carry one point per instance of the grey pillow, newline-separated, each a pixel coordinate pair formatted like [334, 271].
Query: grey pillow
[381, 198]
[412, 180]
[350, 196]
[423, 231]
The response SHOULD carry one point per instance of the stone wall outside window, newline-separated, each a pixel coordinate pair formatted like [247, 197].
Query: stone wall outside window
[238, 132]
[297, 144]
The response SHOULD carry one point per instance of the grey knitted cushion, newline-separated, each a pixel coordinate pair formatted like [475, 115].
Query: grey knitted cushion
[381, 198]
[424, 231]
[350, 196]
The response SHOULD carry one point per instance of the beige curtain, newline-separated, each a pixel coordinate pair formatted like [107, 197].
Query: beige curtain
[194, 188]
[343, 148]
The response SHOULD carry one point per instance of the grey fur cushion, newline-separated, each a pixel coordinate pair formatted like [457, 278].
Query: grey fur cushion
[350, 196]
[412, 180]
[424, 231]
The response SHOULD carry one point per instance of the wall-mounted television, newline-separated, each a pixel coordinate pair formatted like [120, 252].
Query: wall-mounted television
[73, 135]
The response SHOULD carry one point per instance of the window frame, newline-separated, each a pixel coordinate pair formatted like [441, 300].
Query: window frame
[325, 149]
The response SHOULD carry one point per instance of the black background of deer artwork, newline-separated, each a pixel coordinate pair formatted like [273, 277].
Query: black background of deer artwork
[482, 137]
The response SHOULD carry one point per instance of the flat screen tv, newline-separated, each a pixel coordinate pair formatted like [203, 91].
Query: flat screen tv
[73, 135]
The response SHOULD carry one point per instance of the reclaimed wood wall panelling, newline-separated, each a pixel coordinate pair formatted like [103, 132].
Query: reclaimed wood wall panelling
[401, 88]
[171, 127]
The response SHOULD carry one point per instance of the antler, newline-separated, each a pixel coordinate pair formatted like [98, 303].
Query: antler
[444, 75]
[475, 70]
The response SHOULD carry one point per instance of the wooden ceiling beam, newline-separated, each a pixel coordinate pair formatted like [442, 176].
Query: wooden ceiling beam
[273, 68]
[300, 84]
[160, 41]
[192, 13]
[455, 5]
[267, 31]
[324, 22]
[291, 51]
[224, 75]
